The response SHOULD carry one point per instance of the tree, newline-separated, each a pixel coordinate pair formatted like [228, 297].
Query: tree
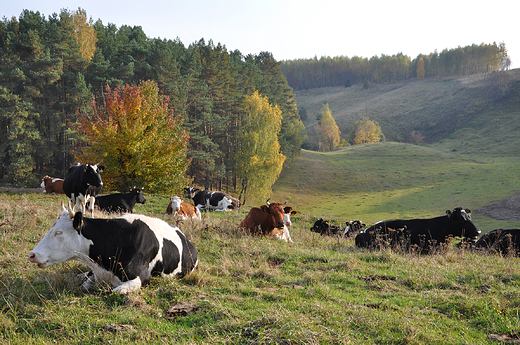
[420, 69]
[259, 160]
[366, 131]
[329, 131]
[84, 33]
[137, 138]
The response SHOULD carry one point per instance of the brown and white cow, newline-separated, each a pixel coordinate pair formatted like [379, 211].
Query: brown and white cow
[182, 210]
[52, 185]
[268, 220]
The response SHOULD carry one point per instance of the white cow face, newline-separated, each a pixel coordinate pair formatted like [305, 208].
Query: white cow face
[176, 203]
[62, 243]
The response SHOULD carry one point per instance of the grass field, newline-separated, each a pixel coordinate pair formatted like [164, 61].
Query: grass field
[319, 290]
[256, 290]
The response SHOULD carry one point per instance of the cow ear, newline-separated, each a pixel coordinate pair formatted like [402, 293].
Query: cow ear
[287, 209]
[448, 212]
[101, 168]
[294, 212]
[264, 208]
[468, 211]
[77, 223]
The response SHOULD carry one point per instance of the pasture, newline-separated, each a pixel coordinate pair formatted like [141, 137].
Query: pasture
[257, 290]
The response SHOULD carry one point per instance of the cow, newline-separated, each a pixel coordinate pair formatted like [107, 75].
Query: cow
[83, 183]
[353, 227]
[423, 233]
[182, 210]
[323, 228]
[124, 251]
[120, 202]
[52, 185]
[505, 241]
[217, 201]
[267, 220]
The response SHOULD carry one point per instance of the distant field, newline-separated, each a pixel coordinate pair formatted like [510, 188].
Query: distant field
[391, 180]
[471, 155]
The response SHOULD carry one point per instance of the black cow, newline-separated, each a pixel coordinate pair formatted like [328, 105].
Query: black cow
[120, 202]
[124, 252]
[206, 199]
[323, 228]
[505, 241]
[83, 183]
[423, 233]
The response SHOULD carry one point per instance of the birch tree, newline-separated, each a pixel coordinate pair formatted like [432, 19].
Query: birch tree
[259, 158]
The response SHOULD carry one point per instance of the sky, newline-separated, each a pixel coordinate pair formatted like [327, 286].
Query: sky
[304, 29]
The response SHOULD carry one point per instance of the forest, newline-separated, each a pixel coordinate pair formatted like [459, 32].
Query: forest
[305, 74]
[50, 68]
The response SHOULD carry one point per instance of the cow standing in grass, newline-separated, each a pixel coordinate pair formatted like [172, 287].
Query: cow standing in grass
[82, 184]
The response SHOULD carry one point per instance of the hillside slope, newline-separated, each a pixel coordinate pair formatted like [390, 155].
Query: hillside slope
[473, 162]
[435, 108]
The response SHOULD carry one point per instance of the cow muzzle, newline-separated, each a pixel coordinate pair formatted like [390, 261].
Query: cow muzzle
[32, 258]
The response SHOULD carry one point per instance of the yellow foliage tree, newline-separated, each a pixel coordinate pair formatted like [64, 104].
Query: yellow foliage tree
[139, 140]
[366, 131]
[329, 131]
[420, 69]
[259, 160]
[84, 33]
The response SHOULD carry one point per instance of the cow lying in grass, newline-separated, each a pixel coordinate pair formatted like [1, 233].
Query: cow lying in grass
[123, 251]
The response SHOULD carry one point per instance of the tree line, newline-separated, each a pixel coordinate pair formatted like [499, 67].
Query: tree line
[51, 68]
[304, 74]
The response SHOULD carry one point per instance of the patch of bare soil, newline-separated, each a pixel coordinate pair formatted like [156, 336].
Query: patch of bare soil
[508, 209]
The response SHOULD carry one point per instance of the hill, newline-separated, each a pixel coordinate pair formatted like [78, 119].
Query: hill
[470, 159]
[433, 107]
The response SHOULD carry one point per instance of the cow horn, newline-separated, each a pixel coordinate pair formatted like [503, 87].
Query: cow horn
[284, 203]
[71, 212]
[267, 202]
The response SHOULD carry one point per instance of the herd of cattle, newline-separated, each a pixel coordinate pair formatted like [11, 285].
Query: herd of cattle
[128, 250]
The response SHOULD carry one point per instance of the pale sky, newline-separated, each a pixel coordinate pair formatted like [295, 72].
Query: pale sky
[294, 29]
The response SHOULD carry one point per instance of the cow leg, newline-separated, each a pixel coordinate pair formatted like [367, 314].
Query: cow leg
[286, 236]
[91, 280]
[128, 286]
[91, 206]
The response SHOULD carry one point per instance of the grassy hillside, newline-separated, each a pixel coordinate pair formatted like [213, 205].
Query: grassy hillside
[247, 290]
[435, 107]
[473, 164]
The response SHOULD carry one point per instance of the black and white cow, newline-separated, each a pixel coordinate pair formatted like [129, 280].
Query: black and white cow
[423, 233]
[83, 183]
[123, 251]
[217, 201]
[353, 227]
[120, 202]
[504, 241]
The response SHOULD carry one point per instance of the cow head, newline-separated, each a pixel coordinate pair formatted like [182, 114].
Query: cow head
[62, 243]
[139, 193]
[191, 191]
[461, 224]
[276, 214]
[92, 175]
[176, 202]
[287, 213]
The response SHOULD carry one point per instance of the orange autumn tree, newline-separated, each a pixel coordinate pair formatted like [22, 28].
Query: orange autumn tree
[137, 138]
